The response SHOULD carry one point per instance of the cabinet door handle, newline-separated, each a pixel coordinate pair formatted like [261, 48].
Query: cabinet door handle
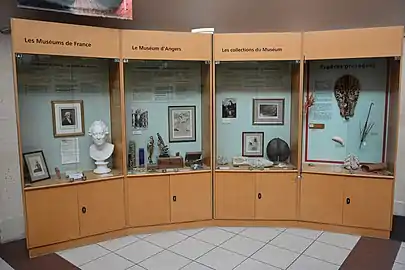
[347, 200]
[174, 198]
[84, 210]
[259, 196]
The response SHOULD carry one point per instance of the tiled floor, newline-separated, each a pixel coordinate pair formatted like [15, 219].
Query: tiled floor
[220, 248]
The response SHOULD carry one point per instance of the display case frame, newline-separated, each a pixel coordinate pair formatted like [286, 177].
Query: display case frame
[72, 198]
[325, 45]
[245, 193]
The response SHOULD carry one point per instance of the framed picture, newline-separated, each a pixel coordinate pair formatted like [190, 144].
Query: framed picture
[68, 118]
[182, 124]
[36, 165]
[252, 144]
[268, 111]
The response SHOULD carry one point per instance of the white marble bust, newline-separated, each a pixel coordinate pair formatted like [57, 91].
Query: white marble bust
[100, 150]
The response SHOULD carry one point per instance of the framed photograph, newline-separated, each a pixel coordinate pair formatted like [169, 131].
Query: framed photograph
[182, 124]
[252, 144]
[68, 118]
[36, 165]
[268, 111]
[229, 108]
[140, 118]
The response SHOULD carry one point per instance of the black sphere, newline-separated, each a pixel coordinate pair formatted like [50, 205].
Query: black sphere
[278, 150]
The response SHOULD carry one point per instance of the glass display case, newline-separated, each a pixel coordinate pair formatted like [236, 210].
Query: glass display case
[167, 116]
[350, 105]
[69, 116]
[257, 115]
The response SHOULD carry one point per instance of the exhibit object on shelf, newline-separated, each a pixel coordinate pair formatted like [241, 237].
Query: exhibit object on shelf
[140, 118]
[278, 150]
[338, 140]
[141, 157]
[182, 124]
[254, 162]
[131, 155]
[366, 128]
[252, 144]
[170, 162]
[192, 158]
[163, 148]
[229, 108]
[57, 172]
[67, 118]
[351, 162]
[72, 176]
[36, 165]
[347, 90]
[150, 147]
[268, 111]
[221, 160]
[100, 150]
[374, 167]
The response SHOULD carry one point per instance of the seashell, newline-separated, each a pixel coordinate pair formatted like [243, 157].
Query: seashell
[338, 140]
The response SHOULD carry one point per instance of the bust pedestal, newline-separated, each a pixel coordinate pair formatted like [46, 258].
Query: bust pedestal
[101, 167]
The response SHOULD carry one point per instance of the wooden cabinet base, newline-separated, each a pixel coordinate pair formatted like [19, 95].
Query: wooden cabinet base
[38, 251]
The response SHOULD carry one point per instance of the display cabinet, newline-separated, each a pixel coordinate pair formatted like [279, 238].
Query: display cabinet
[68, 102]
[257, 96]
[168, 101]
[350, 131]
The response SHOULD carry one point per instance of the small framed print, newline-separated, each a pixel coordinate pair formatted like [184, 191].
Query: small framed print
[252, 144]
[182, 124]
[268, 111]
[68, 118]
[36, 165]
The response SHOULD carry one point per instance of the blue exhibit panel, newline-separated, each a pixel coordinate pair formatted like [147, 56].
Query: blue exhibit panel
[372, 76]
[42, 79]
[243, 82]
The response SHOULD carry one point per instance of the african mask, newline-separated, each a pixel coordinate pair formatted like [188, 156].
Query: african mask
[347, 90]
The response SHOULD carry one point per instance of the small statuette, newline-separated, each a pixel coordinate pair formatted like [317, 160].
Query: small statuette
[351, 162]
[150, 148]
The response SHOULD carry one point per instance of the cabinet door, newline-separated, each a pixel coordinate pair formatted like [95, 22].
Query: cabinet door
[321, 198]
[235, 195]
[52, 215]
[191, 197]
[276, 196]
[101, 206]
[368, 203]
[149, 200]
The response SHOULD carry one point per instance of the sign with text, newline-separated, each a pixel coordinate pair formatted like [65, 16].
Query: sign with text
[159, 45]
[35, 37]
[259, 46]
[119, 9]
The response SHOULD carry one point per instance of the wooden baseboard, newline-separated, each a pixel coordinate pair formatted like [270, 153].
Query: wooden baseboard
[39, 251]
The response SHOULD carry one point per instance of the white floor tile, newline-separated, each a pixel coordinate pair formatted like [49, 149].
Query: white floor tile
[311, 234]
[195, 266]
[214, 236]
[233, 229]
[190, 232]
[242, 245]
[261, 233]
[136, 267]
[165, 260]
[308, 263]
[191, 248]
[340, 240]
[81, 255]
[108, 262]
[398, 266]
[165, 239]
[401, 255]
[142, 236]
[221, 259]
[327, 253]
[138, 251]
[118, 243]
[275, 256]
[292, 242]
[251, 264]
[4, 265]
